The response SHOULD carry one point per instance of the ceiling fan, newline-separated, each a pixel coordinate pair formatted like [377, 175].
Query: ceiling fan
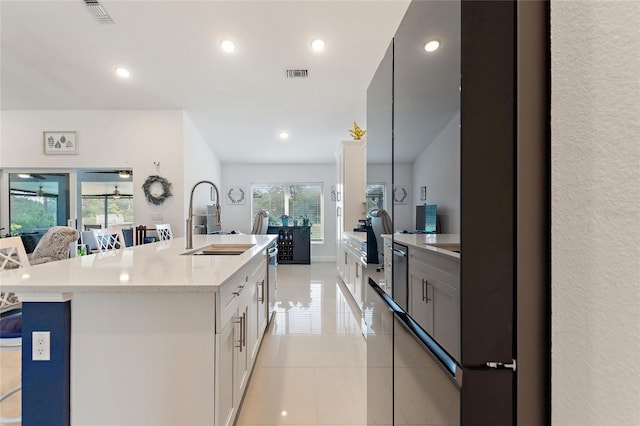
[39, 193]
[124, 174]
[38, 176]
[115, 194]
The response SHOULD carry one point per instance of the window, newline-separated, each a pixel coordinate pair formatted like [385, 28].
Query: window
[298, 201]
[107, 203]
[38, 201]
[375, 196]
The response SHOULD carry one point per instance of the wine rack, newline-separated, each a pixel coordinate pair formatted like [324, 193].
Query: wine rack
[294, 244]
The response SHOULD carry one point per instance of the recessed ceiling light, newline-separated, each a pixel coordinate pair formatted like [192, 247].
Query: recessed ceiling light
[318, 45]
[432, 46]
[227, 45]
[24, 175]
[124, 174]
[122, 72]
[284, 135]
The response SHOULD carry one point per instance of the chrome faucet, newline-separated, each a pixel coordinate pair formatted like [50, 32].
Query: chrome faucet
[190, 218]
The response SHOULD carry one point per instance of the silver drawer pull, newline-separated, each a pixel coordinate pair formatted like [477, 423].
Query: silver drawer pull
[240, 320]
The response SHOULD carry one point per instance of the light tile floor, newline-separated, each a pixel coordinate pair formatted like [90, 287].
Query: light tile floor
[311, 369]
[10, 367]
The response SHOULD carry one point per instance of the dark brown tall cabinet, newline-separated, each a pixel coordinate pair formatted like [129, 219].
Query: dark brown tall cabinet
[492, 73]
[294, 244]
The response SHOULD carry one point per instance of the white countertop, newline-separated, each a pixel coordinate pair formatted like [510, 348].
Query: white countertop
[156, 267]
[439, 243]
[360, 236]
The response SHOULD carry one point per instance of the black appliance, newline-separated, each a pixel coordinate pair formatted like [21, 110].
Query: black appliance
[399, 286]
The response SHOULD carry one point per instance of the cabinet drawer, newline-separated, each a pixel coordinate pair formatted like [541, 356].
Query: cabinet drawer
[235, 287]
[229, 294]
[442, 267]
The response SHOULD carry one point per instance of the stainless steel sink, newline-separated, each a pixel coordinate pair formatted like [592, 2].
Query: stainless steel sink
[220, 250]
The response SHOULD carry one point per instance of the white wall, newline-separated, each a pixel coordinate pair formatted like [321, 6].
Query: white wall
[595, 127]
[239, 217]
[200, 163]
[106, 139]
[438, 168]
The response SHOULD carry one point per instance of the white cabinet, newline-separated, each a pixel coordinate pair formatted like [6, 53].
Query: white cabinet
[434, 297]
[354, 275]
[243, 321]
[226, 352]
[258, 312]
[351, 182]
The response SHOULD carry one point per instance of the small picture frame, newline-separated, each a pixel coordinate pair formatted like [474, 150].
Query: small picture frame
[423, 193]
[60, 142]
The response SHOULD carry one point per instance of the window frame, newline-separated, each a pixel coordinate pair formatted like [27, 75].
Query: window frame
[285, 186]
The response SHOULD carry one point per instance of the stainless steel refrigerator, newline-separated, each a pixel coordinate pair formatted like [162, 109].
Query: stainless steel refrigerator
[499, 90]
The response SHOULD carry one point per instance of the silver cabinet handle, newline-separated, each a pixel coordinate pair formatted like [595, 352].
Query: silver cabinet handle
[244, 330]
[261, 297]
[240, 320]
[424, 291]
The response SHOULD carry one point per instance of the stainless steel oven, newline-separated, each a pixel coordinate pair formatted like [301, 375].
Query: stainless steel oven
[399, 289]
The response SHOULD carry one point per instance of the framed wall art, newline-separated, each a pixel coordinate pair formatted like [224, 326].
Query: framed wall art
[60, 143]
[235, 195]
[400, 195]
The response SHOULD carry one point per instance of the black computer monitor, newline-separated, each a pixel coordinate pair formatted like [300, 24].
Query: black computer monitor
[426, 218]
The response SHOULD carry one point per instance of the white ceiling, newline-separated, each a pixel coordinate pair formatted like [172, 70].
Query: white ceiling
[56, 55]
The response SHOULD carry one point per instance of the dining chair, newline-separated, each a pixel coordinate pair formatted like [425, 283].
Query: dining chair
[54, 245]
[12, 256]
[164, 231]
[261, 222]
[110, 238]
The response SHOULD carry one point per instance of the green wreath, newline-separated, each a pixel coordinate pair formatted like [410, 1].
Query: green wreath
[156, 199]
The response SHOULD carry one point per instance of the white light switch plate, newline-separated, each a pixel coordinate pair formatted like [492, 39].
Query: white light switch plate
[41, 346]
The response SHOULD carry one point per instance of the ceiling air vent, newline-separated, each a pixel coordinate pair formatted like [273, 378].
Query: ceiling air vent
[297, 73]
[98, 11]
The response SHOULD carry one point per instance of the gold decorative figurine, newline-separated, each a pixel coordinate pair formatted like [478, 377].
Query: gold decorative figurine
[357, 133]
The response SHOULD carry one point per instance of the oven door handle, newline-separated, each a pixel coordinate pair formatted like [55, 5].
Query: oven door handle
[399, 253]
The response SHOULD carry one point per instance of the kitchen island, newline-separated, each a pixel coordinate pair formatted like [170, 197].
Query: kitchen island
[147, 335]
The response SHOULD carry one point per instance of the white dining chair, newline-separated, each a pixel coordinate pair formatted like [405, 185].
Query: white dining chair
[12, 256]
[108, 239]
[164, 231]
